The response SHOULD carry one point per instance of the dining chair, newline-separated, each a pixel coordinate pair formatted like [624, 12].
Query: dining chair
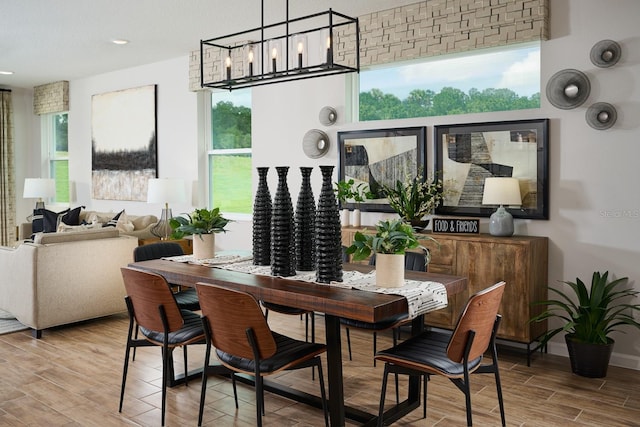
[186, 298]
[452, 355]
[236, 327]
[292, 311]
[153, 308]
[415, 261]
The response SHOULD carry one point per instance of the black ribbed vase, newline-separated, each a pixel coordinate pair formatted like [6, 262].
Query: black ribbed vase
[328, 232]
[283, 253]
[262, 220]
[305, 222]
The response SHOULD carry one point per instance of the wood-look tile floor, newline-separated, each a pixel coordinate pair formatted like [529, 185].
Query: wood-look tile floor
[71, 377]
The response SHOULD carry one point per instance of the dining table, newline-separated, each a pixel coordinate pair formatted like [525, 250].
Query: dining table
[334, 302]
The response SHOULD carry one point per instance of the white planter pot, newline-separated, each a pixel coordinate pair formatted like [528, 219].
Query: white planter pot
[355, 218]
[389, 270]
[204, 246]
[345, 216]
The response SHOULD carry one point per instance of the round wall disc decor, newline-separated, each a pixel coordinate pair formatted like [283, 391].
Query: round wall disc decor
[315, 143]
[328, 116]
[568, 89]
[601, 115]
[605, 53]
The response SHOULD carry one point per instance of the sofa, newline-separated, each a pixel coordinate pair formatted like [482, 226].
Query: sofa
[62, 278]
[139, 226]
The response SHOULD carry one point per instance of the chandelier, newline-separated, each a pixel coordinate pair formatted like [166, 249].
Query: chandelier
[316, 45]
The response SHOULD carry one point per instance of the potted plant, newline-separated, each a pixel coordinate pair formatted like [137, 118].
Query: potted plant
[390, 242]
[588, 317]
[348, 190]
[414, 198]
[203, 223]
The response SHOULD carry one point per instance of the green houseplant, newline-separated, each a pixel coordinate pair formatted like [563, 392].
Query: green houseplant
[588, 317]
[390, 242]
[349, 191]
[204, 223]
[414, 198]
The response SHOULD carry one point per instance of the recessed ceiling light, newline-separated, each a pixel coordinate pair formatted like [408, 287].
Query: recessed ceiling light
[120, 41]
[6, 73]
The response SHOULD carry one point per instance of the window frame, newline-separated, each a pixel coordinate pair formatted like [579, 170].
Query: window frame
[210, 152]
[50, 154]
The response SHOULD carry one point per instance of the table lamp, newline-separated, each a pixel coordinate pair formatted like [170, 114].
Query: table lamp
[165, 190]
[501, 191]
[39, 188]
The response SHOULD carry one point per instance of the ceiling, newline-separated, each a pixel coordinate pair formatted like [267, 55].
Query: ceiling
[44, 41]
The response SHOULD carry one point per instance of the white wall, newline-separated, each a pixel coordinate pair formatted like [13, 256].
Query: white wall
[594, 206]
[176, 129]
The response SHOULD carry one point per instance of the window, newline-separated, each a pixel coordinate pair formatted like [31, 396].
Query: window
[56, 147]
[501, 79]
[230, 154]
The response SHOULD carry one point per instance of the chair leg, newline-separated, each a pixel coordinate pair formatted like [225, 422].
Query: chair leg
[349, 343]
[165, 371]
[383, 394]
[259, 400]
[136, 337]
[425, 378]
[375, 347]
[306, 326]
[323, 393]
[186, 369]
[395, 342]
[125, 369]
[203, 389]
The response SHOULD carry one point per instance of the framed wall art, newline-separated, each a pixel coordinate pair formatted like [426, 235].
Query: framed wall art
[123, 143]
[380, 157]
[466, 154]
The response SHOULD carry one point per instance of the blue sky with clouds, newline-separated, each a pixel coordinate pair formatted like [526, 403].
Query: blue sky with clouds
[515, 69]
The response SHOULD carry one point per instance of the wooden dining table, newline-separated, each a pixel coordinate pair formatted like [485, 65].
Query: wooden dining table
[334, 302]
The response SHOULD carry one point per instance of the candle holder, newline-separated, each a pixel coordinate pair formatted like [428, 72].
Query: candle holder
[299, 52]
[275, 55]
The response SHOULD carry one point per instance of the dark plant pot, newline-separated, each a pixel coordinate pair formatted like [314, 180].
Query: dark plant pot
[589, 360]
[419, 225]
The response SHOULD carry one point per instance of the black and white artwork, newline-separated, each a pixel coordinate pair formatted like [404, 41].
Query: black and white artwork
[380, 157]
[123, 143]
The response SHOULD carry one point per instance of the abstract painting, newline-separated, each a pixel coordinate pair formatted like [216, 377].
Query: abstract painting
[123, 143]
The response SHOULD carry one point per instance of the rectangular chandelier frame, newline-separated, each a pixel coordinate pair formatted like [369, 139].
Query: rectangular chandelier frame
[240, 60]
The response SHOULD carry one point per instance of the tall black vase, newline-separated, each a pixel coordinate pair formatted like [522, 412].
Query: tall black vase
[283, 254]
[328, 232]
[262, 220]
[305, 223]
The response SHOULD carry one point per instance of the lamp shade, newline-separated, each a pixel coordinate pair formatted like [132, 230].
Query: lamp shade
[39, 188]
[501, 191]
[166, 190]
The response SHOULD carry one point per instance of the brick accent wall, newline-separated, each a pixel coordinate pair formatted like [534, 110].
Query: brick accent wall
[431, 28]
[51, 98]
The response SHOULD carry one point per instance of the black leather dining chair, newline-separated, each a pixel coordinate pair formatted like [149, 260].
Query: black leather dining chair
[186, 298]
[454, 355]
[152, 307]
[236, 327]
[414, 261]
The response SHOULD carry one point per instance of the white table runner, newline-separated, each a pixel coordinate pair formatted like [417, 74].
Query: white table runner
[422, 297]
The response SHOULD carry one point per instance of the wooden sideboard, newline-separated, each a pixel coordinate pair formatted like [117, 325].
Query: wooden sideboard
[521, 261]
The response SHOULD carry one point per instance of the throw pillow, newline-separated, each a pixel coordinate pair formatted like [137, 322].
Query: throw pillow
[114, 221]
[51, 220]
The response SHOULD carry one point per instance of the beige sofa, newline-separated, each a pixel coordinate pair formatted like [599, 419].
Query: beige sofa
[64, 278]
[132, 225]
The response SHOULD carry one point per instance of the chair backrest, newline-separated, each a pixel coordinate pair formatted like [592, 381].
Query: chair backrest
[230, 313]
[478, 315]
[414, 261]
[147, 292]
[156, 251]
